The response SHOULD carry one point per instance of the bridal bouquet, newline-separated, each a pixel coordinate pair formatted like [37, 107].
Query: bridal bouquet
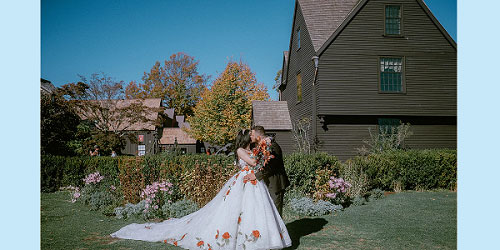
[262, 154]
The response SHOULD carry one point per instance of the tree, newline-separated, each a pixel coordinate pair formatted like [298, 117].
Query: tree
[177, 82]
[226, 107]
[99, 100]
[277, 80]
[58, 124]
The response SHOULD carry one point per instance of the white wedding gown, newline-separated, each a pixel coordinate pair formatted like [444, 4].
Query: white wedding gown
[241, 216]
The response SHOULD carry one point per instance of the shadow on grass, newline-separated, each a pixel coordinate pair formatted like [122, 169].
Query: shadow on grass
[303, 227]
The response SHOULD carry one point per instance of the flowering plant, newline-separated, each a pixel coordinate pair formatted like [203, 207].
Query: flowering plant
[156, 195]
[339, 187]
[93, 178]
[75, 195]
[262, 154]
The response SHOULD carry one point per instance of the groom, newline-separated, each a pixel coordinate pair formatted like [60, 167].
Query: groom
[273, 173]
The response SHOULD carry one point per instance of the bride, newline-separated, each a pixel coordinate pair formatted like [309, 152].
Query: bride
[241, 216]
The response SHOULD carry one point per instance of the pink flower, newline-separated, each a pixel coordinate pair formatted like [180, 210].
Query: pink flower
[331, 195]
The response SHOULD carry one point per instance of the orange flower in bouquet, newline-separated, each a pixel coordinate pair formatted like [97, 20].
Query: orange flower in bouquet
[262, 154]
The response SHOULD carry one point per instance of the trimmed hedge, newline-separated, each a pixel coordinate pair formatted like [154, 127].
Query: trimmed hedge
[413, 169]
[60, 171]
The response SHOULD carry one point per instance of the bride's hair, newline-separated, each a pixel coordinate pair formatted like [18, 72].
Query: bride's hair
[242, 141]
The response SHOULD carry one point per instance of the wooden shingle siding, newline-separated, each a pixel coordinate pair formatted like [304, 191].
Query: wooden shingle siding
[300, 61]
[432, 136]
[342, 140]
[285, 140]
[131, 148]
[347, 93]
[348, 69]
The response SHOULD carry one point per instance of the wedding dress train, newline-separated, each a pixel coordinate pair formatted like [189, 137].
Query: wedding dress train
[241, 216]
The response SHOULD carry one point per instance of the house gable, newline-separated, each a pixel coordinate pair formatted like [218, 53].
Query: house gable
[348, 78]
[362, 3]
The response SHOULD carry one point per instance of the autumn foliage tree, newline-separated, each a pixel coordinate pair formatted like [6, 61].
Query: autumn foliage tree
[226, 106]
[177, 82]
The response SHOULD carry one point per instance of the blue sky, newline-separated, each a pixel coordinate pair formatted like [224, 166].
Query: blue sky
[125, 38]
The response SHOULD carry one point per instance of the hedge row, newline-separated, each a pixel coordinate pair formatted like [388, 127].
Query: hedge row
[411, 170]
[408, 170]
[60, 171]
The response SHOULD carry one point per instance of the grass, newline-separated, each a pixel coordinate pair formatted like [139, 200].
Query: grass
[407, 220]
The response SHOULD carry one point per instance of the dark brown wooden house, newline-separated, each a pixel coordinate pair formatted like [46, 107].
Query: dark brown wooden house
[147, 132]
[275, 119]
[359, 64]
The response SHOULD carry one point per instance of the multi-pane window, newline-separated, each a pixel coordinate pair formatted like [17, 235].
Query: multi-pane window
[393, 19]
[298, 38]
[391, 74]
[299, 87]
[388, 125]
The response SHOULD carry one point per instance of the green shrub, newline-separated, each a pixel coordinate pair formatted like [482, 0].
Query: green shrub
[179, 208]
[60, 171]
[405, 170]
[410, 170]
[301, 169]
[309, 207]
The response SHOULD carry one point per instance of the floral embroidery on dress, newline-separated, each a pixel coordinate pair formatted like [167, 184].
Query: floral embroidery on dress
[173, 241]
[250, 238]
[223, 240]
[200, 243]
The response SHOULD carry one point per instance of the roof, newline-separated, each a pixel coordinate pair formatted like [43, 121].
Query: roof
[169, 135]
[272, 115]
[46, 87]
[323, 17]
[126, 126]
[169, 113]
[361, 4]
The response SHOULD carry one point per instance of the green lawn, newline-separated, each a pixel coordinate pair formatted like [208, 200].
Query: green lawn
[408, 220]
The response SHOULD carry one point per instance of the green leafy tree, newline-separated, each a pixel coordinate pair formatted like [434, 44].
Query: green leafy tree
[225, 108]
[58, 124]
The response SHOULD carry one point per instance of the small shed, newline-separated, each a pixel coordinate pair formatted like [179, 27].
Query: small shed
[275, 118]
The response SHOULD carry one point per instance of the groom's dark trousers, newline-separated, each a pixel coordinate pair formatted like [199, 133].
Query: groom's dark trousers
[274, 175]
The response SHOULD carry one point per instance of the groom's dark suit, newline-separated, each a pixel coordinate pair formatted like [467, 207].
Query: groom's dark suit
[274, 175]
